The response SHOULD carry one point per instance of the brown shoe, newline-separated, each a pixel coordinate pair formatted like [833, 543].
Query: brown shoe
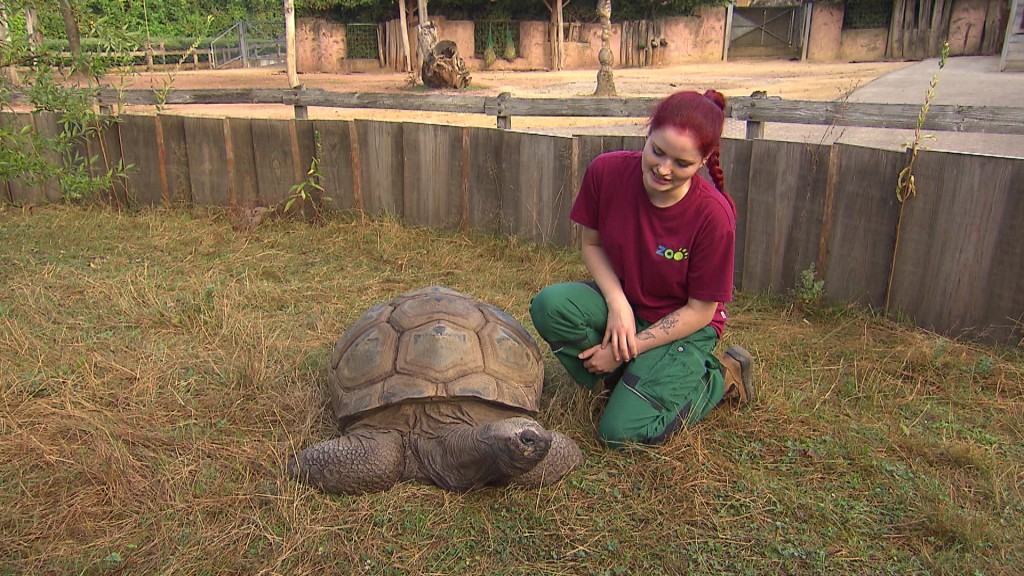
[737, 367]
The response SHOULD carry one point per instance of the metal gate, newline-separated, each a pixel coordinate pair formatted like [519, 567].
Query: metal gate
[775, 32]
[248, 45]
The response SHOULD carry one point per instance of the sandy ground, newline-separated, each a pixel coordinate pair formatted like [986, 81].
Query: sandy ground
[789, 80]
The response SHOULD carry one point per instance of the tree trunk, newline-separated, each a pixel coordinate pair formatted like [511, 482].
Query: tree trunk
[605, 78]
[5, 36]
[407, 65]
[71, 28]
[289, 34]
[35, 35]
[426, 36]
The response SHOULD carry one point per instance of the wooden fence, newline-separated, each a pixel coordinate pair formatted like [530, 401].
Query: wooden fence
[958, 267]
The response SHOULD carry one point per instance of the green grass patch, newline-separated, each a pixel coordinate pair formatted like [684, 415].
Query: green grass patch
[157, 369]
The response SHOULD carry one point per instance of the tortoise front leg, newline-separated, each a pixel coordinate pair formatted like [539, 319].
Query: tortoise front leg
[362, 461]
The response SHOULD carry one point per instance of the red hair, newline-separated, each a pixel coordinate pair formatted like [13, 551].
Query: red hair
[702, 116]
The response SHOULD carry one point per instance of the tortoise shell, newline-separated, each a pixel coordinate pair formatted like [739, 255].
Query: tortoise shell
[434, 344]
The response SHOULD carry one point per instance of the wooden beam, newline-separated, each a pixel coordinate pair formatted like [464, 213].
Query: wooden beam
[949, 118]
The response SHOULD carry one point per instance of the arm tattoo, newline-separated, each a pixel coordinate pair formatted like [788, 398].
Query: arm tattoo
[668, 322]
[666, 325]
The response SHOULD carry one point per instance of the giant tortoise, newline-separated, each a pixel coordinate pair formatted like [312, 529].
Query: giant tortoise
[436, 387]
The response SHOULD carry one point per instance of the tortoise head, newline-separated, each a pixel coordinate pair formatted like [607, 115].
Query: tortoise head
[515, 444]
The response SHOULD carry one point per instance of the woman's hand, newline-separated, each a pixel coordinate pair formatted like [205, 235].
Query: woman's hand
[599, 359]
[620, 331]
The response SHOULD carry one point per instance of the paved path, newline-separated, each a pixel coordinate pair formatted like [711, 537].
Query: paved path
[965, 80]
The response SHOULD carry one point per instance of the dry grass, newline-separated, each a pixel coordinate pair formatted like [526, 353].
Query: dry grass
[156, 370]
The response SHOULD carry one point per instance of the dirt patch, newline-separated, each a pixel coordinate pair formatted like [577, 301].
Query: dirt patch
[789, 80]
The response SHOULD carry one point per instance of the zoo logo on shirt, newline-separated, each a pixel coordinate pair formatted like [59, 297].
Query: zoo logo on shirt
[670, 254]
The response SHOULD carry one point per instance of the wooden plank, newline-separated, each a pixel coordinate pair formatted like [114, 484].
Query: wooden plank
[336, 163]
[380, 167]
[138, 137]
[863, 225]
[960, 261]
[175, 163]
[23, 190]
[784, 218]
[283, 151]
[241, 165]
[105, 146]
[432, 175]
[47, 125]
[487, 179]
[536, 207]
[734, 157]
[206, 161]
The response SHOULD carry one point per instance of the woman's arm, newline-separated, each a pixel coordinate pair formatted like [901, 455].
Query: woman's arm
[691, 317]
[620, 328]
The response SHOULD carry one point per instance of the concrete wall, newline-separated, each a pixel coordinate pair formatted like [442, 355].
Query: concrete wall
[320, 45]
[863, 45]
[825, 40]
[699, 38]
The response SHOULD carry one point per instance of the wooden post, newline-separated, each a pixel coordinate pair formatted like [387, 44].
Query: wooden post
[289, 36]
[806, 33]
[405, 36]
[559, 39]
[728, 31]
[243, 44]
[755, 130]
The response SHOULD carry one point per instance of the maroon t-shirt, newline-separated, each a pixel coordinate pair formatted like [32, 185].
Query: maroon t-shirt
[662, 256]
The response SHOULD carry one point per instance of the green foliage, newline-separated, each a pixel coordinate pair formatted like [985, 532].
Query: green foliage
[46, 80]
[167, 18]
[809, 291]
[307, 195]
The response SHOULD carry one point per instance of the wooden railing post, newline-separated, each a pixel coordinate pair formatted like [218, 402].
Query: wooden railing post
[755, 130]
[504, 121]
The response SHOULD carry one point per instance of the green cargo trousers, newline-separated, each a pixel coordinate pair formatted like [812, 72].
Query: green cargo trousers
[659, 392]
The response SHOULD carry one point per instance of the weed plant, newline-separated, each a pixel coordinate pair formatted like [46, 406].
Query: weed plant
[157, 369]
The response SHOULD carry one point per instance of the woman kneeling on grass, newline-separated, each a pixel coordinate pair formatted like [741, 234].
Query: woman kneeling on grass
[659, 242]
